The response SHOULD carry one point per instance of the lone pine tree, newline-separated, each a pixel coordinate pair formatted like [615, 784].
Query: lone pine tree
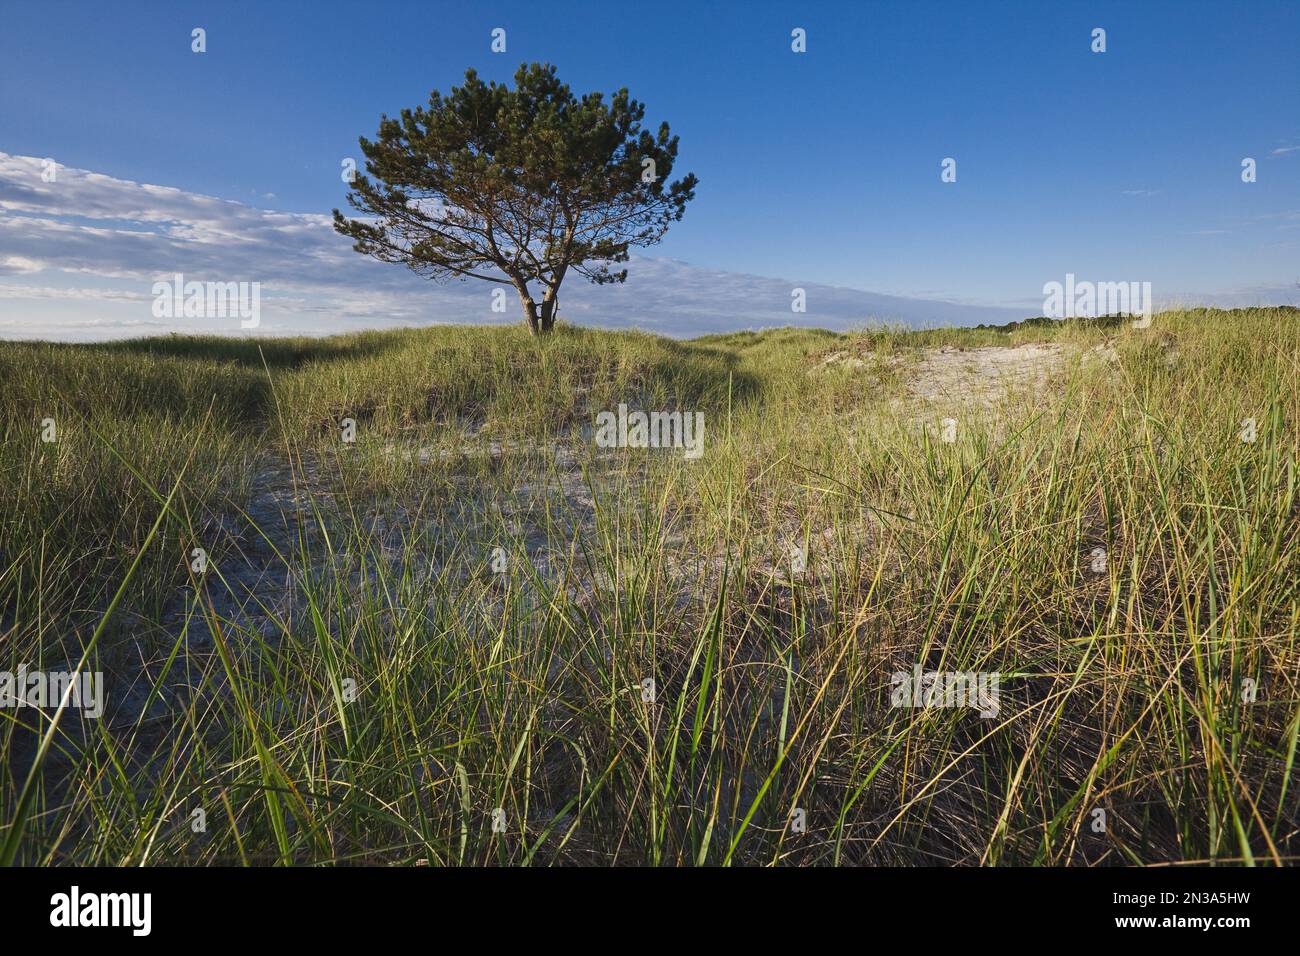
[516, 186]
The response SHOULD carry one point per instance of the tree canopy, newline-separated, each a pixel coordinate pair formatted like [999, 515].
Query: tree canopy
[516, 185]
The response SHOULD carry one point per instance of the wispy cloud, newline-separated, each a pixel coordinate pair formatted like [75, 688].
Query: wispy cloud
[79, 256]
[98, 243]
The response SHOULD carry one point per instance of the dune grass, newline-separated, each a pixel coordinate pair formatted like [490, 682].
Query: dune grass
[667, 662]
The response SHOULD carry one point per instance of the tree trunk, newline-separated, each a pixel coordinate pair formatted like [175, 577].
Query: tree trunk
[530, 312]
[540, 315]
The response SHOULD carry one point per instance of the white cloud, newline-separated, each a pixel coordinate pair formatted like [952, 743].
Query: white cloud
[18, 265]
[8, 291]
[99, 242]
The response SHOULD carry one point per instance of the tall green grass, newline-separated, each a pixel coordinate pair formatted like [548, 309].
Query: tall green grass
[654, 679]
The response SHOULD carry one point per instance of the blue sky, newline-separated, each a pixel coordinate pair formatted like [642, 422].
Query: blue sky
[819, 169]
